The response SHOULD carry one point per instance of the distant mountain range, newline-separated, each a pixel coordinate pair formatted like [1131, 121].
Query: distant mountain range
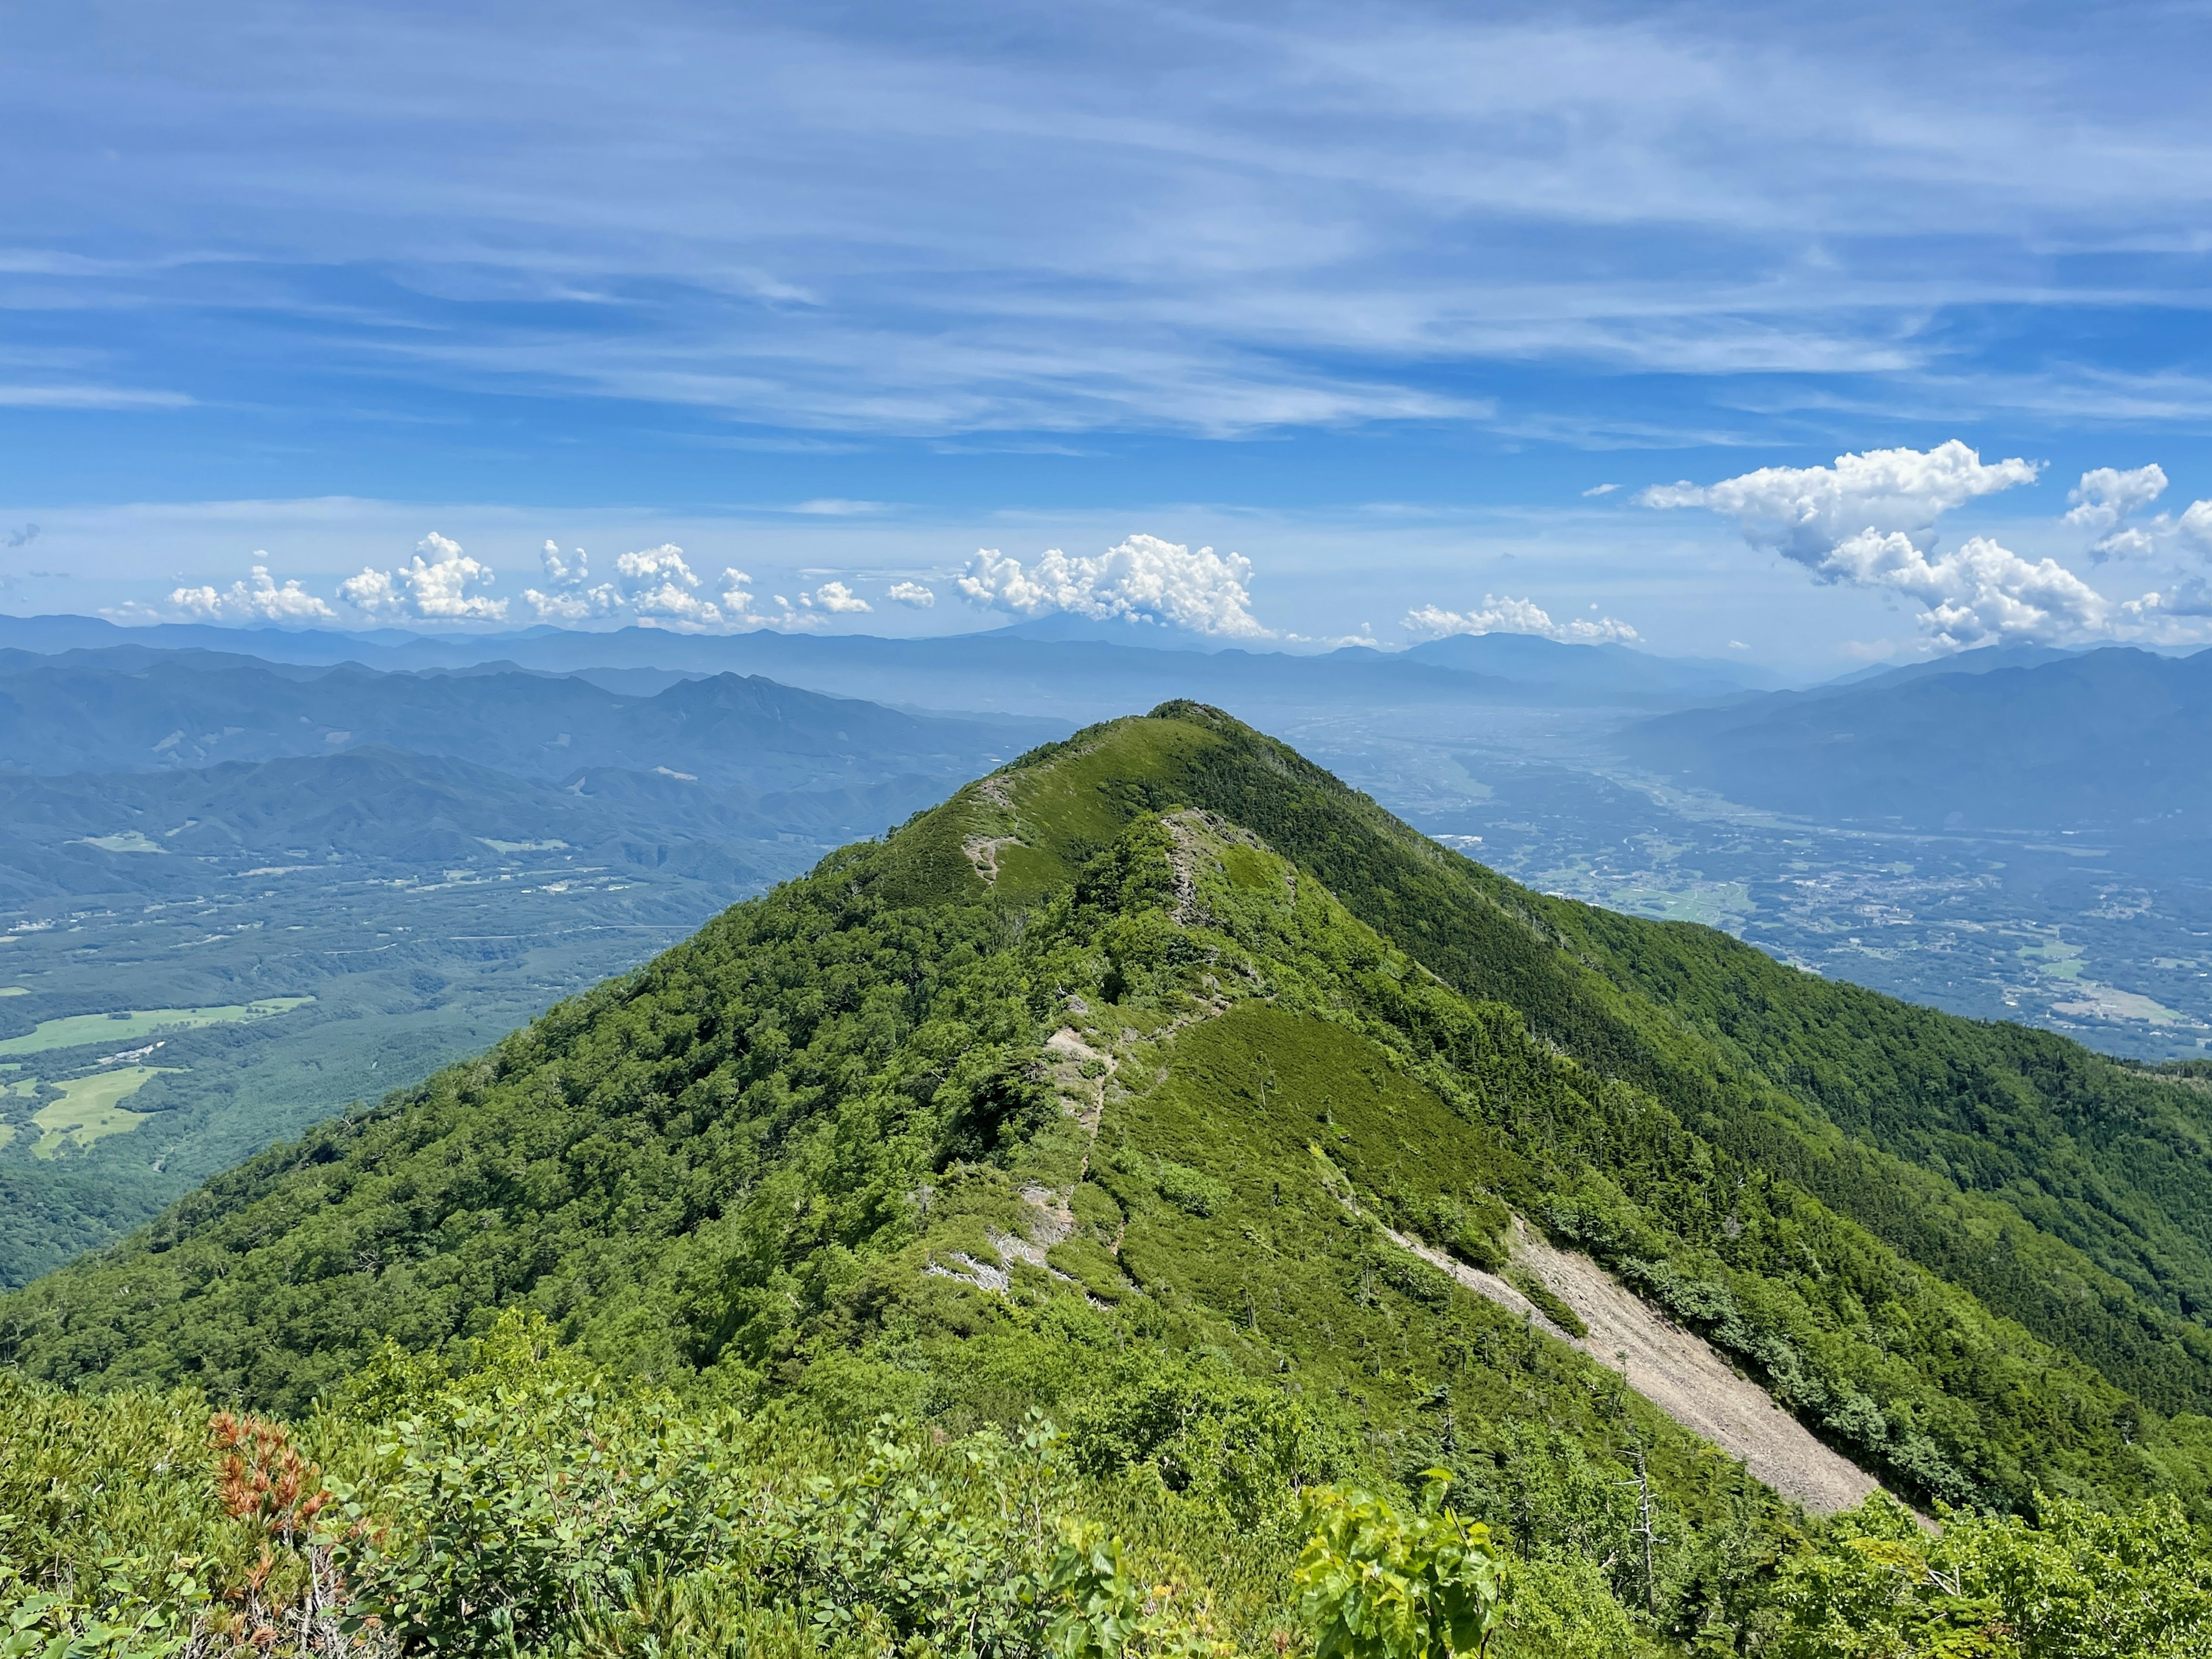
[411, 860]
[2111, 741]
[125, 768]
[143, 711]
[1634, 676]
[1045, 667]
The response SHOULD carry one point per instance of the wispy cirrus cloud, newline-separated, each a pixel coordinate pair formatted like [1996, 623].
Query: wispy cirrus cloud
[850, 222]
[19, 396]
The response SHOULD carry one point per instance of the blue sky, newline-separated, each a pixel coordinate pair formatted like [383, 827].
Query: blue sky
[1369, 296]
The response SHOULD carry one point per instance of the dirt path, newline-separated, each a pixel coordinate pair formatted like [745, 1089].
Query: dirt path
[983, 852]
[1676, 1371]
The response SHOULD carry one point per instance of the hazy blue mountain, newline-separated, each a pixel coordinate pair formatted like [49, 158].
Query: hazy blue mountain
[1141, 632]
[2112, 740]
[1065, 667]
[1616, 670]
[321, 647]
[81, 713]
[1983, 659]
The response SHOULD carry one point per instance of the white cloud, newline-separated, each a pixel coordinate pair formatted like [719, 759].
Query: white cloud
[1980, 592]
[2102, 502]
[432, 589]
[1870, 521]
[89, 397]
[259, 600]
[736, 602]
[1142, 579]
[671, 602]
[571, 599]
[559, 571]
[1600, 490]
[2191, 596]
[835, 597]
[1512, 616]
[914, 594]
[656, 565]
[2188, 531]
[658, 586]
[2105, 495]
[579, 606]
[652, 584]
[2193, 529]
[741, 610]
[1803, 511]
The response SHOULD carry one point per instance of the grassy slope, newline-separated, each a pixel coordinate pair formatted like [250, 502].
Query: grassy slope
[2066, 1191]
[754, 1150]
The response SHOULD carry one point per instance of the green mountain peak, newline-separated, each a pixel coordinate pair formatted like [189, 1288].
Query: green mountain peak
[1158, 1070]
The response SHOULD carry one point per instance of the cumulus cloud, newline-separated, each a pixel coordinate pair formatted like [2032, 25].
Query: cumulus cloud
[1982, 592]
[1803, 511]
[657, 583]
[740, 609]
[562, 571]
[2155, 615]
[572, 598]
[259, 598]
[2105, 498]
[24, 537]
[1512, 616]
[914, 594]
[657, 565]
[835, 597]
[1142, 580]
[1870, 521]
[435, 585]
[2193, 529]
[2102, 502]
[657, 587]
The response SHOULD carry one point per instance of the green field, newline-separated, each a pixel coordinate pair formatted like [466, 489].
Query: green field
[91, 1108]
[128, 1026]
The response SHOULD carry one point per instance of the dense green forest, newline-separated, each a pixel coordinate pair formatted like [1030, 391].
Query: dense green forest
[995, 1241]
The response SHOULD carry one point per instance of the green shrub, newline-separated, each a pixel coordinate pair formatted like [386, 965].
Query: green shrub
[1190, 1190]
[1547, 1300]
[1377, 1584]
[2082, 1585]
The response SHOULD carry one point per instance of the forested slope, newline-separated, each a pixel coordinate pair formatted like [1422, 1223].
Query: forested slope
[878, 1020]
[1093, 1090]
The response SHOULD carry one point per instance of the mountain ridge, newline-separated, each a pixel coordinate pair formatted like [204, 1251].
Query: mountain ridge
[1081, 668]
[156, 712]
[630, 1162]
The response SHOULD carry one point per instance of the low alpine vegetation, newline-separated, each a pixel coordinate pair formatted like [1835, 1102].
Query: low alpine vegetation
[1063, 1227]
